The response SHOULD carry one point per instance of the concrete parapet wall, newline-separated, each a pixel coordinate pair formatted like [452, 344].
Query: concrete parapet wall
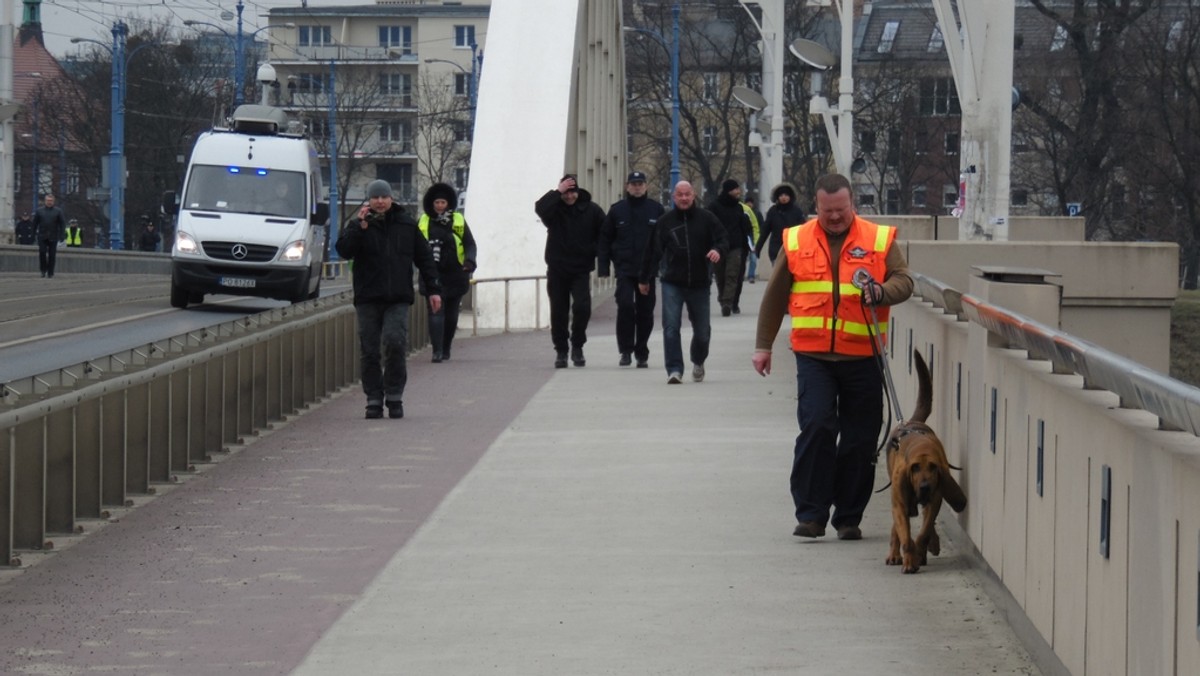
[17, 258]
[1115, 294]
[1036, 450]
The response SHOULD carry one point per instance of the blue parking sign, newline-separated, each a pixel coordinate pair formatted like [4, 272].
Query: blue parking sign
[1074, 208]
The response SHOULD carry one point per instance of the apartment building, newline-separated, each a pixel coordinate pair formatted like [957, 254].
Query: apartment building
[396, 81]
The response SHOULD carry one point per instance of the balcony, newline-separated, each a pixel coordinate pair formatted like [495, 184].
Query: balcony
[348, 53]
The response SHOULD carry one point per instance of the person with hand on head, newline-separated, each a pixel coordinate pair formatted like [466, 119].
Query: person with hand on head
[727, 207]
[623, 238]
[454, 249]
[783, 214]
[839, 403]
[384, 244]
[51, 227]
[573, 223]
[687, 240]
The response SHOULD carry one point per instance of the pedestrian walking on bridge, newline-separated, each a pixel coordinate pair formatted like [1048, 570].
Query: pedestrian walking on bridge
[51, 227]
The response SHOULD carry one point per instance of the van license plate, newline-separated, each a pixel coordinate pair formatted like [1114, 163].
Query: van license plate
[238, 282]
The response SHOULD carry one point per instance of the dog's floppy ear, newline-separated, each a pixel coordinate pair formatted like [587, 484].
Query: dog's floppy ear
[908, 494]
[952, 493]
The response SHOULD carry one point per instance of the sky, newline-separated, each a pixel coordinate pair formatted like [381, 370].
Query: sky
[93, 19]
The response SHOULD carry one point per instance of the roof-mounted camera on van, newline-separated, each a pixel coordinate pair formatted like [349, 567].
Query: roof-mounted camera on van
[251, 118]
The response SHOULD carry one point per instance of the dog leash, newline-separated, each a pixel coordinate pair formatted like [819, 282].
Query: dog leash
[862, 280]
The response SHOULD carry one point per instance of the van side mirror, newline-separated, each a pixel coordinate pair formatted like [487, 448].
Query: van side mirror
[170, 202]
[321, 216]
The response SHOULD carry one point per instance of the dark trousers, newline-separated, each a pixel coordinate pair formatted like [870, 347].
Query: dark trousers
[47, 254]
[570, 307]
[839, 407]
[635, 317]
[729, 272]
[383, 341]
[443, 324]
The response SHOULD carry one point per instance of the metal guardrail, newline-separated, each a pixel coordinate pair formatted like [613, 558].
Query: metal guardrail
[598, 283]
[85, 438]
[1176, 403]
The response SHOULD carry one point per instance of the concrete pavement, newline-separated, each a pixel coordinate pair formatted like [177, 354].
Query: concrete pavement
[624, 526]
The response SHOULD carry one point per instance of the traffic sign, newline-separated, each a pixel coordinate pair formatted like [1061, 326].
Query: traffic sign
[1074, 208]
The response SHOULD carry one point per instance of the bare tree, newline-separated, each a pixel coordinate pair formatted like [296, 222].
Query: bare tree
[1074, 107]
[443, 130]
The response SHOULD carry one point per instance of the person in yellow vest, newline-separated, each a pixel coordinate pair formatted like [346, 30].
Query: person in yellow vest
[74, 233]
[840, 385]
[454, 250]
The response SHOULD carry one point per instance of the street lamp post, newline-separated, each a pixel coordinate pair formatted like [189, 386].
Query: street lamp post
[816, 55]
[472, 76]
[116, 157]
[673, 49]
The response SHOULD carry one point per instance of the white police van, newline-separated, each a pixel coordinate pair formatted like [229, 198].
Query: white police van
[251, 217]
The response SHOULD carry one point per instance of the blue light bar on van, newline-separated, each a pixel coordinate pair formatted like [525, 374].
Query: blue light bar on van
[261, 172]
[235, 170]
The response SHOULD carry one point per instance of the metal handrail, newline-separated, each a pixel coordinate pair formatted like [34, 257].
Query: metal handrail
[598, 283]
[1176, 403]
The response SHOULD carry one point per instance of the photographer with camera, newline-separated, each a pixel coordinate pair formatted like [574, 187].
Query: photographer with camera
[454, 250]
[385, 244]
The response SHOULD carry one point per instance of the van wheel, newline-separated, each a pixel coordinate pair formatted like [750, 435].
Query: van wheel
[179, 296]
[315, 292]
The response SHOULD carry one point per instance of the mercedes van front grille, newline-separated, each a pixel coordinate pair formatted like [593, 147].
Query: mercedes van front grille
[237, 251]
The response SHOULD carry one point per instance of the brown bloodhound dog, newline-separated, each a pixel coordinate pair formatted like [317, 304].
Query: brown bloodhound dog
[920, 475]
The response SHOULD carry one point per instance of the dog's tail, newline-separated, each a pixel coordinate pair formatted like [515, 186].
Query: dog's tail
[924, 391]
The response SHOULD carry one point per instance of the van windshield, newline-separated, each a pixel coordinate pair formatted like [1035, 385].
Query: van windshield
[246, 190]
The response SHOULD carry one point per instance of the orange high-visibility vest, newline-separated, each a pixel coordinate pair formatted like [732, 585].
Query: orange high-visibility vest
[825, 317]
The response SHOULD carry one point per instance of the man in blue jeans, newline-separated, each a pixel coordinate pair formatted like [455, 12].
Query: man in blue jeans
[686, 240]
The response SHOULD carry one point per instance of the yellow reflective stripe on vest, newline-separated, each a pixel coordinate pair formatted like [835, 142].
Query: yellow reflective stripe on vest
[882, 233]
[791, 238]
[820, 286]
[852, 328]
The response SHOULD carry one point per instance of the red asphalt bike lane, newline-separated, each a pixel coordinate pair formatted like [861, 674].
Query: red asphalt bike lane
[245, 565]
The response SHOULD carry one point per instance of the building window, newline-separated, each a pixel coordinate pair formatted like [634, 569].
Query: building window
[393, 131]
[462, 131]
[712, 86]
[461, 175]
[936, 41]
[918, 197]
[791, 141]
[397, 85]
[72, 179]
[866, 200]
[951, 143]
[818, 141]
[939, 97]
[396, 37]
[400, 176]
[921, 142]
[464, 36]
[889, 37]
[1060, 39]
[893, 201]
[315, 36]
[318, 129]
[710, 140]
[949, 196]
[462, 84]
[893, 149]
[1019, 198]
[866, 141]
[310, 83]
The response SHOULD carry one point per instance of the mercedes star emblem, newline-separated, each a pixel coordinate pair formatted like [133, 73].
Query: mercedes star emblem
[239, 251]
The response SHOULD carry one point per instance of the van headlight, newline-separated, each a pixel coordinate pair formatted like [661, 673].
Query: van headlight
[185, 244]
[293, 251]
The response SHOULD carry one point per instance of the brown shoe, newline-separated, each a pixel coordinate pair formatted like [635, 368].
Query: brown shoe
[809, 529]
[849, 533]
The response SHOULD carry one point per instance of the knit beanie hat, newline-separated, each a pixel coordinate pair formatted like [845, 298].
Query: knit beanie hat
[728, 185]
[379, 188]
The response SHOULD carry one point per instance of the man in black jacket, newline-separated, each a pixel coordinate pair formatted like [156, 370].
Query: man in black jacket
[681, 248]
[51, 226]
[384, 243]
[727, 207]
[623, 238]
[573, 224]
